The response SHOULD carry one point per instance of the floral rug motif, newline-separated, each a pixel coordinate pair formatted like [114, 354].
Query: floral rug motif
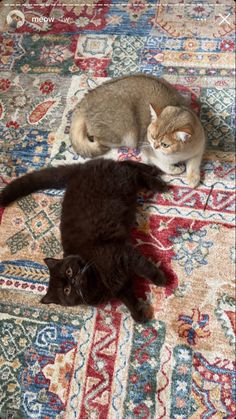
[97, 363]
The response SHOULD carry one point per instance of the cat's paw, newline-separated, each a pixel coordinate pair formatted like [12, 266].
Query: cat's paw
[155, 184]
[160, 279]
[142, 313]
[154, 170]
[193, 179]
[175, 169]
[4, 199]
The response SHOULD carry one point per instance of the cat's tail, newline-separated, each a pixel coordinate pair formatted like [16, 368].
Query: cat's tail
[52, 177]
[82, 143]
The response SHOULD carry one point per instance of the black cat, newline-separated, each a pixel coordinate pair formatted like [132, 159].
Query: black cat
[98, 212]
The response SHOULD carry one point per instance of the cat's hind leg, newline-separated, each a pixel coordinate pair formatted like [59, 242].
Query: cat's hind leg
[81, 142]
[140, 311]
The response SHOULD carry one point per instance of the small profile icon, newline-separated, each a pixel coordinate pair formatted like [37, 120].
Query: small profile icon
[15, 19]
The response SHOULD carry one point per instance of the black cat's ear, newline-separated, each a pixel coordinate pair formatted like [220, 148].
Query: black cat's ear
[49, 298]
[51, 263]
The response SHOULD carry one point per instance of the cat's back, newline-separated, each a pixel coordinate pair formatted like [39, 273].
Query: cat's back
[123, 105]
[139, 87]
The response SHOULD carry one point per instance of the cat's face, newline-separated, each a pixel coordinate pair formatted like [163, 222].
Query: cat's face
[166, 132]
[68, 281]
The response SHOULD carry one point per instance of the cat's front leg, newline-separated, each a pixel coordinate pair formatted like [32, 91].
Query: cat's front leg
[141, 266]
[172, 169]
[193, 170]
[168, 168]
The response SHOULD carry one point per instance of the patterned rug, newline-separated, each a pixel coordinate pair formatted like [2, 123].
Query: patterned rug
[97, 363]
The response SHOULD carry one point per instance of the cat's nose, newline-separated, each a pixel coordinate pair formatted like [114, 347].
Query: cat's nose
[76, 279]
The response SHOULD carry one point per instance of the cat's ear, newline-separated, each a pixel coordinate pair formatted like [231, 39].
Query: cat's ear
[184, 135]
[49, 298]
[51, 263]
[155, 112]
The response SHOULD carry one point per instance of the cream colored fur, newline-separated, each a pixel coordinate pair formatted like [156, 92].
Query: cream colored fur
[118, 112]
[180, 130]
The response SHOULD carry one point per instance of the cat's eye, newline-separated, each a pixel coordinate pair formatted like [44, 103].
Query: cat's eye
[164, 145]
[67, 290]
[91, 138]
[69, 272]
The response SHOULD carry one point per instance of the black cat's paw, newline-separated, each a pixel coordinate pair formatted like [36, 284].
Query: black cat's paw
[142, 313]
[5, 197]
[160, 279]
[156, 184]
[3, 201]
[154, 171]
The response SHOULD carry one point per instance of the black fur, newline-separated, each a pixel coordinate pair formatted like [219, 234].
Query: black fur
[98, 212]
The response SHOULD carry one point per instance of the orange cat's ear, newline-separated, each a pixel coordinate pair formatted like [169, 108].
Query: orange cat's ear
[155, 112]
[184, 134]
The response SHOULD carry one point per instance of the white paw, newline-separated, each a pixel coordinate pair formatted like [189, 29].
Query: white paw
[175, 170]
[193, 179]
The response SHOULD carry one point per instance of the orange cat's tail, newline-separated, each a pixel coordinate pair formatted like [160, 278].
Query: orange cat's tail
[82, 144]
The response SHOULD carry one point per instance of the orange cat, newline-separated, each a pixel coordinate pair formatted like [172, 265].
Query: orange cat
[176, 135]
[118, 113]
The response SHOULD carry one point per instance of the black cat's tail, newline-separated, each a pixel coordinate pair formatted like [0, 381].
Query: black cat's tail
[52, 177]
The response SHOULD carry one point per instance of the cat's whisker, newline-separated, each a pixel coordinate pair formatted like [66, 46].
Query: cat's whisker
[80, 293]
[87, 266]
[145, 146]
[78, 282]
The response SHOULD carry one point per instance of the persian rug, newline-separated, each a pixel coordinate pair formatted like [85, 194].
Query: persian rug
[97, 363]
